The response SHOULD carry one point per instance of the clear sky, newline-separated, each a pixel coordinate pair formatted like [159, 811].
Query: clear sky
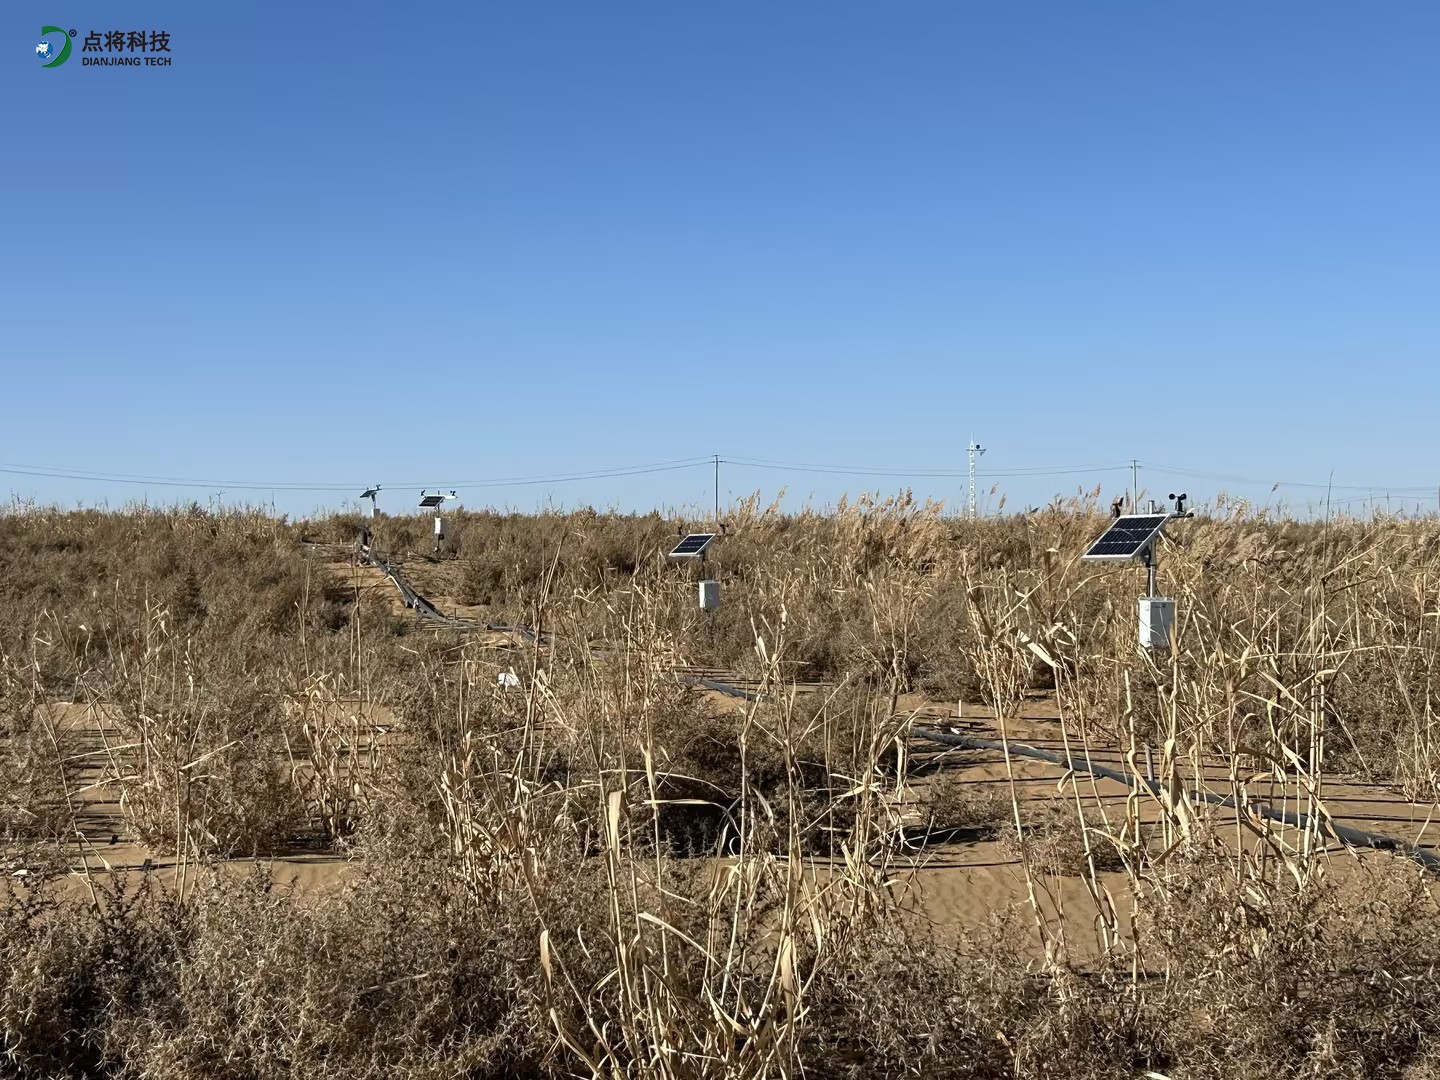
[346, 243]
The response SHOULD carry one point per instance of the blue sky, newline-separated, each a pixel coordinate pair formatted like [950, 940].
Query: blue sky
[537, 239]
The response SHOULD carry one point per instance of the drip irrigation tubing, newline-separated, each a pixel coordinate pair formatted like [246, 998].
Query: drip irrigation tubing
[722, 687]
[416, 602]
[1351, 836]
[524, 631]
[1345, 833]
[413, 599]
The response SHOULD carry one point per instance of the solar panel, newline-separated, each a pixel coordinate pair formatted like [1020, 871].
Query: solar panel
[692, 546]
[1127, 537]
[369, 493]
[431, 500]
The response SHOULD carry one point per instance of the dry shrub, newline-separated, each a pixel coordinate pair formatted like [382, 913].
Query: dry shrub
[522, 896]
[1061, 838]
[967, 806]
[338, 766]
[34, 782]
[908, 1002]
[399, 975]
[197, 755]
[73, 961]
[1333, 977]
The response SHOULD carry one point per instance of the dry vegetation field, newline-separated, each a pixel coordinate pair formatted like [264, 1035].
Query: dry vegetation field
[259, 820]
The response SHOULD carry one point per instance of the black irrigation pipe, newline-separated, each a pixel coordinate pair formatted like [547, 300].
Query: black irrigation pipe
[724, 688]
[416, 602]
[1351, 836]
[524, 631]
[413, 599]
[1354, 837]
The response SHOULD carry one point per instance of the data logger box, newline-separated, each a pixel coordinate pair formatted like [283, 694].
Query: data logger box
[1157, 621]
[709, 595]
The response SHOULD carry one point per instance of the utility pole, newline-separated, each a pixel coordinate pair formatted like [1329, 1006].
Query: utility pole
[1134, 486]
[717, 491]
[975, 451]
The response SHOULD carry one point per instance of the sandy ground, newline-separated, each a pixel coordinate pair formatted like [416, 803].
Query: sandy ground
[437, 581]
[958, 883]
[962, 883]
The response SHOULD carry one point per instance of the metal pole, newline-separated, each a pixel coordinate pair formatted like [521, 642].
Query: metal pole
[975, 451]
[717, 490]
[1134, 486]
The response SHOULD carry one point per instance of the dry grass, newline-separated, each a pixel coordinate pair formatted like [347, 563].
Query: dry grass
[605, 872]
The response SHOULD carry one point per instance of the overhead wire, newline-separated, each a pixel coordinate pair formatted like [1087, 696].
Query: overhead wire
[677, 464]
[164, 481]
[919, 472]
[138, 479]
[599, 474]
[1396, 489]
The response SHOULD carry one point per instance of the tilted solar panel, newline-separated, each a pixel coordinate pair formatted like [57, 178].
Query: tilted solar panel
[692, 545]
[1127, 537]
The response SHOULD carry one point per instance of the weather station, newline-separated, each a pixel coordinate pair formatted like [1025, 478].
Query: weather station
[1136, 538]
[435, 502]
[695, 546]
[371, 494]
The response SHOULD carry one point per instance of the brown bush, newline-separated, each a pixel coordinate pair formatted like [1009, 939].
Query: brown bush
[606, 871]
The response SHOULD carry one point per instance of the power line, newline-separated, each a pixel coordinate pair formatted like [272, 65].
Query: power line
[139, 480]
[1396, 489]
[711, 461]
[839, 470]
[919, 472]
[599, 474]
[99, 478]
